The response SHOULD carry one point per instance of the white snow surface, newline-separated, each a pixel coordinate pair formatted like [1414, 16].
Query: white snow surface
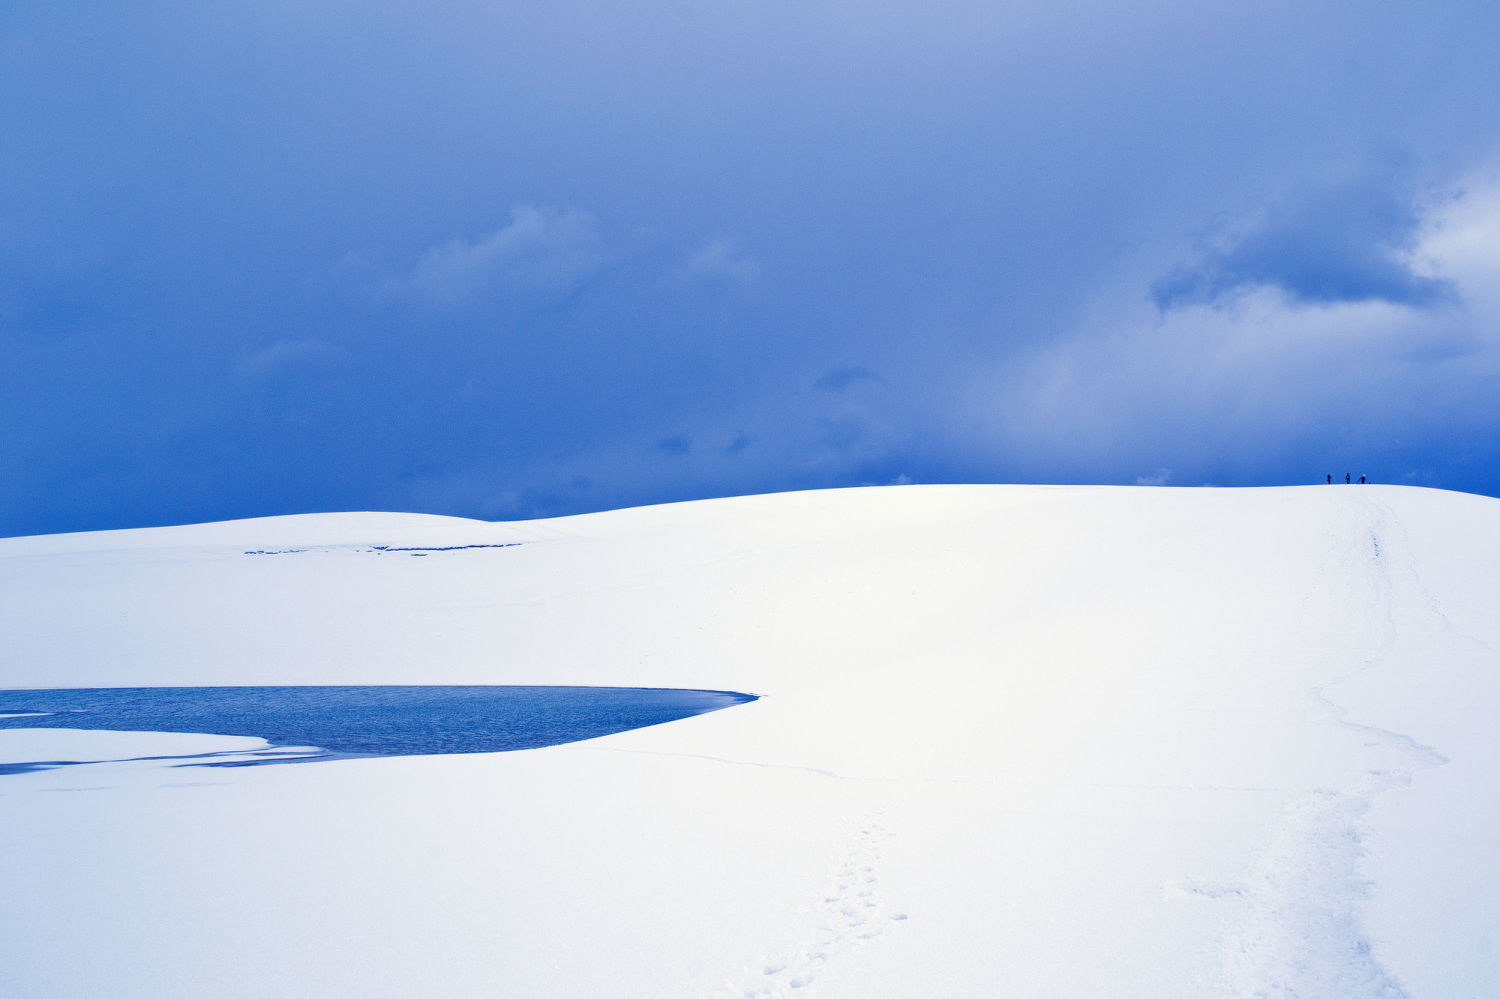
[1013, 741]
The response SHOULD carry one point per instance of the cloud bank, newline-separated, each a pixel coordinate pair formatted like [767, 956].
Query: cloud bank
[1350, 242]
[532, 259]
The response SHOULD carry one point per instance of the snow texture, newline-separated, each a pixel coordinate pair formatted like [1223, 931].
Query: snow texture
[1029, 741]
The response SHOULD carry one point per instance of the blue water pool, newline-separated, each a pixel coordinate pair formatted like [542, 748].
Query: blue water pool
[366, 721]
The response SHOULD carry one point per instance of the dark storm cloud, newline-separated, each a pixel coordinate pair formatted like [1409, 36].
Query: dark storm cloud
[1346, 243]
[676, 444]
[739, 443]
[481, 259]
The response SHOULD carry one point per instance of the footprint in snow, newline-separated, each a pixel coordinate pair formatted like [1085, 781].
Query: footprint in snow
[852, 916]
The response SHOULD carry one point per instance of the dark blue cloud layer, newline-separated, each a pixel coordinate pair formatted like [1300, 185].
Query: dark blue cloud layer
[527, 259]
[1349, 242]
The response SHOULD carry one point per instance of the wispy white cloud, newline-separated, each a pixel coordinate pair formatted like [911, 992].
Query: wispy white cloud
[719, 258]
[282, 354]
[541, 250]
[840, 379]
[1460, 241]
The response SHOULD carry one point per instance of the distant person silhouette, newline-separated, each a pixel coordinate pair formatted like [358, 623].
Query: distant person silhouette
[1346, 478]
[1330, 478]
[1361, 480]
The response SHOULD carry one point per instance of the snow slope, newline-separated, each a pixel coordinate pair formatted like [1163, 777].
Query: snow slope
[1014, 741]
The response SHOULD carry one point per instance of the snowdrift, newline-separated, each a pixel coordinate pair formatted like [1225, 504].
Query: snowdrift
[1030, 741]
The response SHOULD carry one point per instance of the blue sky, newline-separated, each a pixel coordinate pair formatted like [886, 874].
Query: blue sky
[526, 259]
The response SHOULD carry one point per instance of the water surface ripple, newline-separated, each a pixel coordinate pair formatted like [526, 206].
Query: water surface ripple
[367, 721]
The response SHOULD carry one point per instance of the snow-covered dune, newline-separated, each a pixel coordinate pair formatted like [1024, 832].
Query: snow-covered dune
[1013, 741]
